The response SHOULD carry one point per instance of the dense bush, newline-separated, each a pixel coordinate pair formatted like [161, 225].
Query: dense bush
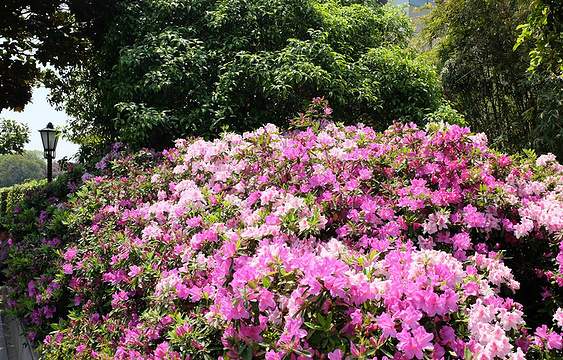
[327, 242]
[10, 196]
[35, 214]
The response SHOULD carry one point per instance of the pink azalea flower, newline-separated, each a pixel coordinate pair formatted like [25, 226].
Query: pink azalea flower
[134, 270]
[336, 355]
[558, 317]
[387, 325]
[266, 300]
[413, 344]
[356, 318]
[273, 355]
[554, 341]
[182, 291]
[68, 269]
[70, 254]
[293, 330]
[161, 351]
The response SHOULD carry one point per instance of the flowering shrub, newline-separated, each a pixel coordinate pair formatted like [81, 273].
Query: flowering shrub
[35, 216]
[334, 243]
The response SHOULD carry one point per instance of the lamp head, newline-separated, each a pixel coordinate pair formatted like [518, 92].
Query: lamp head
[49, 137]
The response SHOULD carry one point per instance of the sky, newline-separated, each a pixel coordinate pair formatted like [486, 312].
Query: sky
[37, 115]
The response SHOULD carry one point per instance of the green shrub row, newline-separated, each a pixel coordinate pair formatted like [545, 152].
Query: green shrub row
[9, 196]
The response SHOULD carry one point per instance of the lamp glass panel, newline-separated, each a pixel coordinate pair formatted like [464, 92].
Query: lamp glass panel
[49, 139]
[45, 139]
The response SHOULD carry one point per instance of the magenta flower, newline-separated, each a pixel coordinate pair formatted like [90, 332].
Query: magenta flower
[293, 331]
[273, 355]
[161, 351]
[413, 343]
[134, 270]
[336, 355]
[70, 254]
[554, 341]
[182, 291]
[68, 269]
[387, 325]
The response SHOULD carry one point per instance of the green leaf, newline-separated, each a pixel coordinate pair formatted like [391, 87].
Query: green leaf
[303, 352]
[468, 355]
[247, 353]
[312, 325]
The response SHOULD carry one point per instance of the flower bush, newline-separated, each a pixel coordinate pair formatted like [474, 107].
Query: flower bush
[325, 242]
[35, 214]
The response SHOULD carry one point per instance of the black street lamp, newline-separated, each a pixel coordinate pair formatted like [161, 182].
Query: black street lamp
[49, 136]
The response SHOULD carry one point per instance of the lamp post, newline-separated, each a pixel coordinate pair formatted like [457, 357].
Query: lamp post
[49, 137]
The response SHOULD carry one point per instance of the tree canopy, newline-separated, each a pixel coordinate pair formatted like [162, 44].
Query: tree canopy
[41, 32]
[170, 69]
[13, 136]
[16, 169]
[486, 79]
[544, 29]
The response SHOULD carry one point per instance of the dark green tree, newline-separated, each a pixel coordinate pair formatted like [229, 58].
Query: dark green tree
[171, 69]
[13, 137]
[16, 169]
[544, 30]
[40, 32]
[486, 80]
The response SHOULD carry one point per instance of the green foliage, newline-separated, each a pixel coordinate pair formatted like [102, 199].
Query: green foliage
[40, 32]
[407, 88]
[446, 113]
[175, 69]
[13, 136]
[15, 169]
[486, 80]
[11, 196]
[544, 30]
[547, 136]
